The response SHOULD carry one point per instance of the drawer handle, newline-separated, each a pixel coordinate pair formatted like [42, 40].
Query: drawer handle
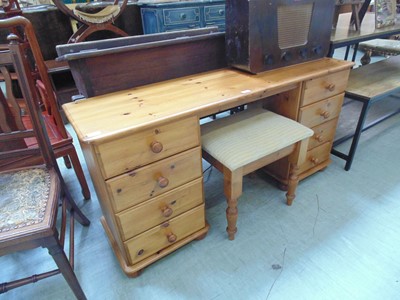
[171, 237]
[221, 12]
[325, 114]
[166, 211]
[156, 147]
[319, 138]
[315, 160]
[162, 182]
[183, 16]
[330, 87]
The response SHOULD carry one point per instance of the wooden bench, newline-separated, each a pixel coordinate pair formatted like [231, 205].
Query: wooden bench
[246, 141]
[369, 84]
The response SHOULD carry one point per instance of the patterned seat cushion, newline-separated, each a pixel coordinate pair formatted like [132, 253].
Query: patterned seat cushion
[23, 197]
[248, 136]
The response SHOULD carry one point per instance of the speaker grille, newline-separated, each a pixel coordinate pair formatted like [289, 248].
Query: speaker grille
[294, 25]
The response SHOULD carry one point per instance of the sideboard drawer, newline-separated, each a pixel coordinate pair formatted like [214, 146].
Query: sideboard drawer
[152, 180]
[160, 209]
[323, 133]
[164, 235]
[322, 111]
[324, 87]
[184, 15]
[131, 152]
[214, 13]
[316, 156]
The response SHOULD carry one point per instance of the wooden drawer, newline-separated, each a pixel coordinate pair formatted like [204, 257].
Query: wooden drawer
[136, 186]
[131, 152]
[322, 111]
[214, 13]
[323, 133]
[184, 15]
[160, 209]
[325, 86]
[164, 235]
[316, 156]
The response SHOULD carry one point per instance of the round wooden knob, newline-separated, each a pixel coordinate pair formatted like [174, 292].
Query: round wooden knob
[162, 182]
[171, 237]
[156, 147]
[166, 211]
[314, 160]
[319, 138]
[330, 87]
[325, 114]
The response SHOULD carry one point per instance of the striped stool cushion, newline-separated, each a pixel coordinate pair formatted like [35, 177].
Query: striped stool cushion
[242, 138]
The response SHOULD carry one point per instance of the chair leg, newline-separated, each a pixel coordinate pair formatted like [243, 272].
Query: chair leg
[67, 162]
[79, 173]
[233, 182]
[60, 258]
[292, 184]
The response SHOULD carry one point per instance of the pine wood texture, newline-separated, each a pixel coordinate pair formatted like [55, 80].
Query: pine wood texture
[141, 146]
[131, 110]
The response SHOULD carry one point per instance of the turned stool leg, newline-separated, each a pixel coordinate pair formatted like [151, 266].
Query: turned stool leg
[233, 182]
[292, 184]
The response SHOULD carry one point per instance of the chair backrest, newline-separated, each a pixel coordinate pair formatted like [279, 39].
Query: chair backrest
[13, 134]
[29, 43]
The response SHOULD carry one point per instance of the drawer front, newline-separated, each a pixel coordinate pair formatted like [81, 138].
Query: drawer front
[322, 111]
[152, 180]
[323, 133]
[323, 87]
[176, 16]
[164, 235]
[214, 13]
[160, 209]
[316, 156]
[128, 153]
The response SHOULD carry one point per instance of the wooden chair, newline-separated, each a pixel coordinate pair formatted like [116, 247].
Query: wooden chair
[30, 195]
[94, 17]
[61, 140]
[244, 142]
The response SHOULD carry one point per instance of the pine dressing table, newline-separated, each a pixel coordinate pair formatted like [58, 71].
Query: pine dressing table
[143, 152]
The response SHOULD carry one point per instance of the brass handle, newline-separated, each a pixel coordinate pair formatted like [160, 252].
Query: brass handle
[156, 147]
[325, 114]
[162, 182]
[315, 160]
[319, 138]
[330, 87]
[171, 237]
[166, 211]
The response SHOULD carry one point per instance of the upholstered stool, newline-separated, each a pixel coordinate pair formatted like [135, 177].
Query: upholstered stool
[382, 47]
[244, 142]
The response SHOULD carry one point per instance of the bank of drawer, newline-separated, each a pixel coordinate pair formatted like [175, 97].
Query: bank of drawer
[128, 153]
[175, 16]
[316, 156]
[164, 235]
[322, 111]
[160, 209]
[325, 86]
[214, 13]
[152, 180]
[323, 133]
